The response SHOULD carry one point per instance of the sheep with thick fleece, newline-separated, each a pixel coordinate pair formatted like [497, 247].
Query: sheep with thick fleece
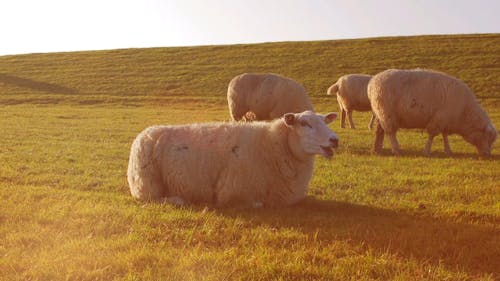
[265, 97]
[351, 95]
[430, 100]
[250, 163]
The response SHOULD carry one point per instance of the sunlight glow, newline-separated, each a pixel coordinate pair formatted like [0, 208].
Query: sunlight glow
[57, 25]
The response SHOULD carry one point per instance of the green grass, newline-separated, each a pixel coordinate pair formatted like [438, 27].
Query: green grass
[68, 119]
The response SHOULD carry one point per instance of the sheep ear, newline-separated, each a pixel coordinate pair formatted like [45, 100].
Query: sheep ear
[330, 117]
[289, 119]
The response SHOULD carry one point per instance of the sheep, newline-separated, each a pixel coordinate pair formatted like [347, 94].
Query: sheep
[252, 96]
[430, 100]
[351, 95]
[225, 163]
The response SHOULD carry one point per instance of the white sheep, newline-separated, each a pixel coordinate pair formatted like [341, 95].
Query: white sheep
[351, 95]
[430, 100]
[265, 97]
[252, 164]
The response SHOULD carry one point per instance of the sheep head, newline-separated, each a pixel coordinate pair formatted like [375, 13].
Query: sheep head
[313, 136]
[482, 139]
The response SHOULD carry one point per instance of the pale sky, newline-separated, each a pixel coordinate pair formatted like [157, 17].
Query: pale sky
[38, 26]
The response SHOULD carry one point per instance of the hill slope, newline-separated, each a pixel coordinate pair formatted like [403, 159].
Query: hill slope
[67, 121]
[143, 75]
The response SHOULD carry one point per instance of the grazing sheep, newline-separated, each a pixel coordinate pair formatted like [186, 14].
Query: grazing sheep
[254, 164]
[430, 100]
[265, 97]
[351, 95]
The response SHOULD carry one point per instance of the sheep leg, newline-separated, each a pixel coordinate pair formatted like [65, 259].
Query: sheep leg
[236, 112]
[394, 143]
[379, 138]
[342, 117]
[434, 129]
[370, 125]
[236, 117]
[446, 144]
[351, 123]
[427, 149]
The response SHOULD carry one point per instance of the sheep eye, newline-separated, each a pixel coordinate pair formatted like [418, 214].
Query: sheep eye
[305, 124]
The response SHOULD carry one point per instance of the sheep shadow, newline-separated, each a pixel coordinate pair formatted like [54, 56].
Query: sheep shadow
[416, 153]
[35, 85]
[473, 248]
[413, 153]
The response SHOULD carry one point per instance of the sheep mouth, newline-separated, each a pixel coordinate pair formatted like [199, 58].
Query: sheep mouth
[327, 151]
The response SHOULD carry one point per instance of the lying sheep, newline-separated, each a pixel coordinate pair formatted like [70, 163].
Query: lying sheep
[253, 164]
[430, 100]
[351, 95]
[265, 97]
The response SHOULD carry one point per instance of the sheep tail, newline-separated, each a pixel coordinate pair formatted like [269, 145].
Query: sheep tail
[333, 89]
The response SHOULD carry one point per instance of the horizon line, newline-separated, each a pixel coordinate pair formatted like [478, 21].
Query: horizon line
[252, 43]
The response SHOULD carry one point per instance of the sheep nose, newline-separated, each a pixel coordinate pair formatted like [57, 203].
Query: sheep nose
[334, 142]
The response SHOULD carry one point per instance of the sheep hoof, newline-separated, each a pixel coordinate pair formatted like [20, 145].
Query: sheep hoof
[174, 200]
[257, 205]
[396, 153]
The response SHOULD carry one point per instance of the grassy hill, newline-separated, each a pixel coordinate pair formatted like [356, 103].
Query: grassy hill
[67, 121]
[143, 75]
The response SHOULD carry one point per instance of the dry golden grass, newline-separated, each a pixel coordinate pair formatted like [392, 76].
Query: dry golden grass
[68, 119]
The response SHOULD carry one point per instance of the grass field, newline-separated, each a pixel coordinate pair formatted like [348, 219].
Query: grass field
[68, 119]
